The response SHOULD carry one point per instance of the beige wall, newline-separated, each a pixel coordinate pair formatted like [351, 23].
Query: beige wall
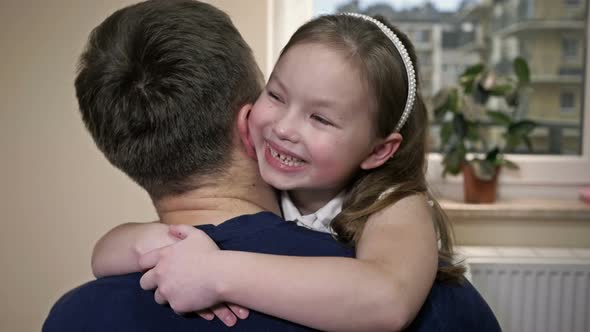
[58, 193]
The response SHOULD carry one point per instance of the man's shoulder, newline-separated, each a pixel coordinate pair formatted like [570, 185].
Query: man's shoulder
[266, 232]
[119, 304]
[72, 311]
[454, 307]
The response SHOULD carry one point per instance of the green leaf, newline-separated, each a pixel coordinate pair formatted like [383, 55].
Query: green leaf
[521, 68]
[483, 169]
[440, 103]
[472, 131]
[499, 117]
[446, 131]
[454, 101]
[512, 141]
[492, 155]
[521, 128]
[479, 94]
[509, 164]
[460, 126]
[501, 90]
[467, 79]
[453, 160]
[473, 70]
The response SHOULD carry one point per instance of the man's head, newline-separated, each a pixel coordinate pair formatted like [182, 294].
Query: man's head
[159, 87]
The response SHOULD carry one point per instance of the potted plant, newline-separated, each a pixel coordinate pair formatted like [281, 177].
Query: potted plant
[480, 122]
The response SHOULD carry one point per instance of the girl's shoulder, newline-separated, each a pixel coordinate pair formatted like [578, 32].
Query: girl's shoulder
[408, 209]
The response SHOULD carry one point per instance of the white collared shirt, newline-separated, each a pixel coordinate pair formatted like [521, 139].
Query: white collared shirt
[318, 221]
[321, 219]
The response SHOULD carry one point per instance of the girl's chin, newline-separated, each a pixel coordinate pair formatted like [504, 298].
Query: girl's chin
[278, 183]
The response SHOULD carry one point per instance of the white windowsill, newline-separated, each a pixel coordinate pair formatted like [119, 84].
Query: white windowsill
[519, 209]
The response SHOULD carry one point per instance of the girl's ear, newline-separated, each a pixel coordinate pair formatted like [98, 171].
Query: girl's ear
[382, 151]
[244, 132]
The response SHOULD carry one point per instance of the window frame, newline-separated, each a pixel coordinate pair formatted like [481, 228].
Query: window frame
[576, 43]
[544, 176]
[569, 93]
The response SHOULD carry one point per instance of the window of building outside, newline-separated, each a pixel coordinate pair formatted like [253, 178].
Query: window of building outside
[423, 36]
[452, 35]
[567, 101]
[570, 48]
[573, 3]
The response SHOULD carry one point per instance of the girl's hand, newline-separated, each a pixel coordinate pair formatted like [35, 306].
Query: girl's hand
[183, 275]
[154, 236]
[228, 313]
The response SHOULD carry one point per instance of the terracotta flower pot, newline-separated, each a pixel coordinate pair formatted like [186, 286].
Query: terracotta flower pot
[476, 190]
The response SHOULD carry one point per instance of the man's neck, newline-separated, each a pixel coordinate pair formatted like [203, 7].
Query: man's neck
[241, 191]
[195, 209]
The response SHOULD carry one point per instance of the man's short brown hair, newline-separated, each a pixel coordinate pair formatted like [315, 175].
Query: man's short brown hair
[159, 86]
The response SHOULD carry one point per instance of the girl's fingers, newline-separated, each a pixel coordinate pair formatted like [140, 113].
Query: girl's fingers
[148, 280]
[206, 314]
[159, 298]
[222, 312]
[239, 311]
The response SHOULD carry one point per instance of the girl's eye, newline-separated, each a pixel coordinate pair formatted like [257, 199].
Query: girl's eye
[274, 96]
[321, 120]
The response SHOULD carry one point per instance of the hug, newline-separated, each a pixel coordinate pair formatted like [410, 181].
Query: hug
[299, 204]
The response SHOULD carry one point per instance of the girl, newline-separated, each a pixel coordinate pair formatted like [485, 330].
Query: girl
[328, 131]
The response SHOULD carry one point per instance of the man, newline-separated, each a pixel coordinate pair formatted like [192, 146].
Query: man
[164, 88]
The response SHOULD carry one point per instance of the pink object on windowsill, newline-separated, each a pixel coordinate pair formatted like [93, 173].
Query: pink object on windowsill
[585, 195]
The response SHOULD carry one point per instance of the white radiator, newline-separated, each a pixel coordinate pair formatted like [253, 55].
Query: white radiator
[533, 289]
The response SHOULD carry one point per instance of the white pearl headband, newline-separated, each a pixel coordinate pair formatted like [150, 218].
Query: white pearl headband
[407, 63]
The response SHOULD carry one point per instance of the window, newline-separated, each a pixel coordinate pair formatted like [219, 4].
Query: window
[526, 8]
[567, 101]
[570, 48]
[424, 58]
[552, 41]
[572, 3]
[422, 36]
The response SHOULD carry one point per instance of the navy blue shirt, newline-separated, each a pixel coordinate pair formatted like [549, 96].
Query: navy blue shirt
[119, 304]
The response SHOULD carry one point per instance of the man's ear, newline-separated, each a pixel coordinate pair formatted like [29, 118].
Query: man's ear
[382, 151]
[244, 132]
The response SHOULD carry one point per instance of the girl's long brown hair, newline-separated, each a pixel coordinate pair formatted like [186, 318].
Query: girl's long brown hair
[369, 49]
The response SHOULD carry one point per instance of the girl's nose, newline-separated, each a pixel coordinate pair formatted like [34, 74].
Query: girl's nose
[286, 129]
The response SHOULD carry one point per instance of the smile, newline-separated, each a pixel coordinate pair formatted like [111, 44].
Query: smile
[284, 159]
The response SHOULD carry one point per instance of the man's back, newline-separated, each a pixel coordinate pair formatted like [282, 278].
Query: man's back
[119, 304]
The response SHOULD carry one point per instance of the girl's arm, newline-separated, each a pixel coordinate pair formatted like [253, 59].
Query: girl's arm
[381, 290]
[118, 251]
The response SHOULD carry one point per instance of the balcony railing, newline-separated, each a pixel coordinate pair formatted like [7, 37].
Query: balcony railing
[569, 71]
[512, 22]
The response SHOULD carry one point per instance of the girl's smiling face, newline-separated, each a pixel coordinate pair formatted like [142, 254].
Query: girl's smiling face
[313, 125]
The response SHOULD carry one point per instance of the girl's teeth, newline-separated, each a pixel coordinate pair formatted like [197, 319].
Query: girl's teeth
[287, 160]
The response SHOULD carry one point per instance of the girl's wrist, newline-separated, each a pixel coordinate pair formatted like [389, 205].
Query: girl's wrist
[221, 274]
